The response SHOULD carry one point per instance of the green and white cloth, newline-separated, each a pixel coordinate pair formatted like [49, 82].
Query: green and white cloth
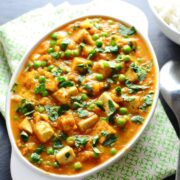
[155, 154]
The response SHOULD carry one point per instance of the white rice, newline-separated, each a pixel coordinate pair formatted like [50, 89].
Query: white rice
[169, 11]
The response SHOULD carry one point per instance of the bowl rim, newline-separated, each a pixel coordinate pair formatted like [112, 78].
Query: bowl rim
[121, 152]
[161, 19]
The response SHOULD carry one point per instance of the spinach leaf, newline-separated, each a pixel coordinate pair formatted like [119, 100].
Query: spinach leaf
[112, 108]
[82, 113]
[41, 89]
[63, 108]
[89, 88]
[148, 100]
[95, 140]
[40, 149]
[81, 141]
[57, 143]
[82, 68]
[134, 87]
[57, 72]
[112, 49]
[110, 139]
[55, 111]
[14, 87]
[66, 84]
[26, 108]
[128, 98]
[127, 31]
[137, 119]
[91, 54]
[140, 71]
[96, 150]
[65, 43]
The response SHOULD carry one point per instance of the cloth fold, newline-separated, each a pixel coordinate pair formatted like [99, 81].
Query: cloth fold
[155, 154]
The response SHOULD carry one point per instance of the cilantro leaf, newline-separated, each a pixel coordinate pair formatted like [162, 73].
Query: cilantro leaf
[135, 87]
[112, 108]
[127, 31]
[110, 140]
[148, 100]
[26, 108]
[82, 113]
[137, 119]
[81, 141]
[140, 71]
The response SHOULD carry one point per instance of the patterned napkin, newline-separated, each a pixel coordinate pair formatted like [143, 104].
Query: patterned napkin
[154, 156]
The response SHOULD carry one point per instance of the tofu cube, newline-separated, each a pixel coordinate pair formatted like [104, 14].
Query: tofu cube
[52, 85]
[68, 122]
[131, 75]
[83, 35]
[26, 126]
[100, 127]
[77, 61]
[65, 155]
[105, 98]
[43, 131]
[88, 122]
[63, 95]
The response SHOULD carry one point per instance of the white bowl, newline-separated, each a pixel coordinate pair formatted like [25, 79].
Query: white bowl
[165, 28]
[79, 176]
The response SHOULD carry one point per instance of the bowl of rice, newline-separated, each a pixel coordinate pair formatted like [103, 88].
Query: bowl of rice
[167, 14]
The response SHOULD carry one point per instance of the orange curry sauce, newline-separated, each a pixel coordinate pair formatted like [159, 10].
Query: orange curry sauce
[84, 93]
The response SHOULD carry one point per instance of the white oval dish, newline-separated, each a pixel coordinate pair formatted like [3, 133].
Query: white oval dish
[47, 175]
[165, 28]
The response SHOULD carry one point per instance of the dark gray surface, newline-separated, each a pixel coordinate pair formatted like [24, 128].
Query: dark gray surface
[164, 48]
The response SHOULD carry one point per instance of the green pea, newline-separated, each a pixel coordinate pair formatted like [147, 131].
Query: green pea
[99, 77]
[55, 164]
[105, 34]
[99, 44]
[127, 49]
[50, 50]
[50, 151]
[110, 22]
[70, 140]
[106, 64]
[77, 165]
[76, 105]
[91, 107]
[126, 58]
[37, 64]
[52, 43]
[96, 155]
[45, 93]
[42, 79]
[54, 36]
[95, 37]
[84, 97]
[68, 53]
[43, 63]
[123, 110]
[122, 77]
[50, 68]
[113, 151]
[40, 109]
[121, 121]
[118, 66]
[56, 55]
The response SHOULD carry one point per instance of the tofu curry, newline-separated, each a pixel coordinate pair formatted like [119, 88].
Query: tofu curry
[83, 94]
